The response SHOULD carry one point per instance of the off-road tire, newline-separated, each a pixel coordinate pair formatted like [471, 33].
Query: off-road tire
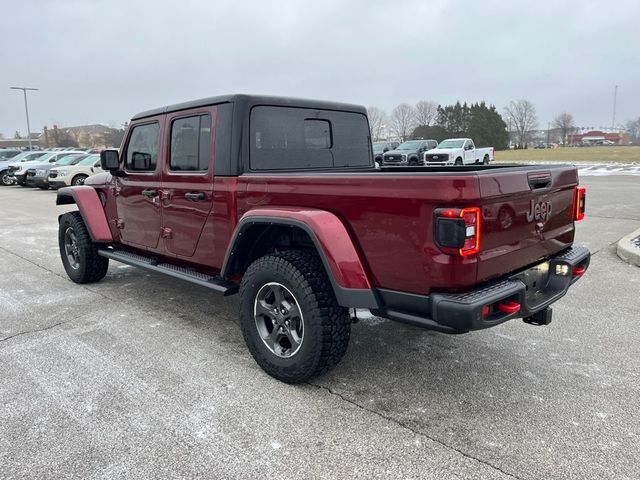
[78, 180]
[327, 325]
[92, 267]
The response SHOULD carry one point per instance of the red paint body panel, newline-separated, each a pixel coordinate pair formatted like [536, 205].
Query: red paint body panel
[334, 239]
[91, 209]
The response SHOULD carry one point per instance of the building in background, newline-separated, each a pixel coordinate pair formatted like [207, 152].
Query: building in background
[597, 137]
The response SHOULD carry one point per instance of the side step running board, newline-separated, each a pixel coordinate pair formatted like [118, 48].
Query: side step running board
[214, 283]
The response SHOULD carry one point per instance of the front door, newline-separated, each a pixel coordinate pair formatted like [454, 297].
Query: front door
[137, 190]
[187, 179]
[469, 152]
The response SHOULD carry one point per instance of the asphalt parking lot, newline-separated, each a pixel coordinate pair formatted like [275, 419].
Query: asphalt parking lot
[142, 376]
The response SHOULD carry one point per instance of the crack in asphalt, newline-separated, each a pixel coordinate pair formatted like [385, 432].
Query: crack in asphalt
[32, 331]
[413, 430]
[53, 272]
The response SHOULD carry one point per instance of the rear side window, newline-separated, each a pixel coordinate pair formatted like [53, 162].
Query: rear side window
[191, 143]
[142, 151]
[285, 138]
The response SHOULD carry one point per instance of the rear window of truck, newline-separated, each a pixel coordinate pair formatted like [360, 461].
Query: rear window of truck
[286, 138]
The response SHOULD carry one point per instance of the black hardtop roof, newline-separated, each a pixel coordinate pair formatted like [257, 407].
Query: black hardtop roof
[252, 100]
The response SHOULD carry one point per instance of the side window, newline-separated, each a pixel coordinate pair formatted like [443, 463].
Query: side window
[142, 151]
[289, 138]
[191, 144]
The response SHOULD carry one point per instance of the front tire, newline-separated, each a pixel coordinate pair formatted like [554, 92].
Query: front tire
[290, 318]
[5, 179]
[79, 254]
[458, 161]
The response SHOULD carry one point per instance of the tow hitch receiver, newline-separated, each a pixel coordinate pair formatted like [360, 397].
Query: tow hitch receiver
[543, 317]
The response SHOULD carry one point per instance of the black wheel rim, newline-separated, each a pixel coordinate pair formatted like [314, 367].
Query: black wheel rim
[71, 248]
[278, 320]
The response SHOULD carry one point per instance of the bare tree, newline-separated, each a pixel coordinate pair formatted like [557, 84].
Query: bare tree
[426, 112]
[403, 120]
[377, 120]
[633, 129]
[565, 124]
[521, 115]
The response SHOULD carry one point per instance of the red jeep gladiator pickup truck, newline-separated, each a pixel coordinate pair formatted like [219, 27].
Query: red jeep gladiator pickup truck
[279, 199]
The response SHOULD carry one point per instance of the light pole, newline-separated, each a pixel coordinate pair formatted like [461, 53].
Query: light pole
[26, 109]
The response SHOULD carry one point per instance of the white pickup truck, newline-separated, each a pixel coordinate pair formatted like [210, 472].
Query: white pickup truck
[458, 151]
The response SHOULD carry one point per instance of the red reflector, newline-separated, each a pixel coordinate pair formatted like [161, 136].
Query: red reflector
[579, 271]
[579, 203]
[485, 311]
[508, 307]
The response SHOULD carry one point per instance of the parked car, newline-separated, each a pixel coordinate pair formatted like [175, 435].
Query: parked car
[306, 233]
[409, 153]
[5, 178]
[458, 151]
[38, 175]
[75, 173]
[380, 148]
[18, 170]
[6, 154]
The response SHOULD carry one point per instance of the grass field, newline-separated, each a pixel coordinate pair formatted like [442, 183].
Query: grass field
[610, 154]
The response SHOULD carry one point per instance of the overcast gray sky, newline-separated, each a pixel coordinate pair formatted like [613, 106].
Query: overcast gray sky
[103, 61]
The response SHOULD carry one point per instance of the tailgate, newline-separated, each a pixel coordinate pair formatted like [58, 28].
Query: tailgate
[527, 216]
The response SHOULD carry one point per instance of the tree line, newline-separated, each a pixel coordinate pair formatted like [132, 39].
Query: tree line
[516, 126]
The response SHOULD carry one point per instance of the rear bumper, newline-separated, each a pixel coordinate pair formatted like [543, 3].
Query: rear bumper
[462, 312]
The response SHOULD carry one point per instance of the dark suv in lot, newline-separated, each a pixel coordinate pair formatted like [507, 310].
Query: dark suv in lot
[408, 153]
[278, 199]
[380, 148]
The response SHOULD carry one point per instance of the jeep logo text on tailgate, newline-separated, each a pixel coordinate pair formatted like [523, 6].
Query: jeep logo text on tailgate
[539, 211]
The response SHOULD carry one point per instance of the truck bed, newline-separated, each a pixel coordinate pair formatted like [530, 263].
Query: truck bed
[390, 212]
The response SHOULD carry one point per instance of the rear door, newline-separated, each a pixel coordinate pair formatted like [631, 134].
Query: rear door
[527, 214]
[137, 191]
[187, 179]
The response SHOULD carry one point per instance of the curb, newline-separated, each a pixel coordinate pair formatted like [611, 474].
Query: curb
[626, 251]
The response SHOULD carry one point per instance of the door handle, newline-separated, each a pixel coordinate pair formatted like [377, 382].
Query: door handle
[150, 192]
[194, 196]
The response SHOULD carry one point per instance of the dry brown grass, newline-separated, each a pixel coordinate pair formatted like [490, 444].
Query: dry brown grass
[610, 154]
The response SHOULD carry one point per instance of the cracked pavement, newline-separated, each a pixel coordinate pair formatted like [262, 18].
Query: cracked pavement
[143, 376]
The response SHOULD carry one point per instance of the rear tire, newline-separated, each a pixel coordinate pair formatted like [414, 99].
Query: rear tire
[290, 318]
[79, 254]
[78, 180]
[485, 160]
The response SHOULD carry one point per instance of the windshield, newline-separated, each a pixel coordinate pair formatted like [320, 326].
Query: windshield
[451, 144]
[70, 159]
[378, 147]
[412, 145]
[89, 160]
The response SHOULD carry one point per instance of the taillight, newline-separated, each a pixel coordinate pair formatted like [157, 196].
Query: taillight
[457, 230]
[579, 203]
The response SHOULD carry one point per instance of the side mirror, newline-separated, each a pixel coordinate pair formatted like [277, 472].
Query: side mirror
[385, 150]
[109, 160]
